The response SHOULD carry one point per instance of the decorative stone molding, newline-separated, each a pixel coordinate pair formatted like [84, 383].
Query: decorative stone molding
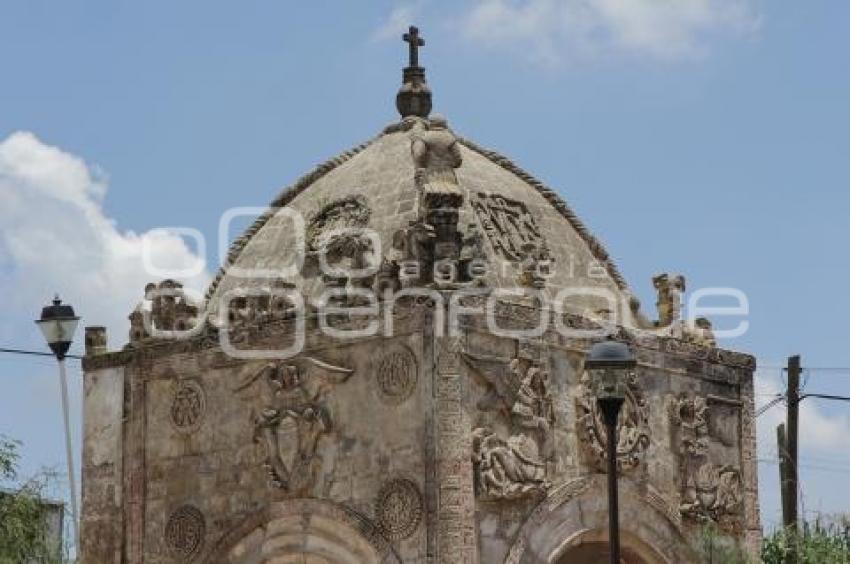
[396, 375]
[633, 433]
[331, 524]
[185, 531]
[398, 508]
[573, 509]
[294, 395]
[188, 406]
[516, 465]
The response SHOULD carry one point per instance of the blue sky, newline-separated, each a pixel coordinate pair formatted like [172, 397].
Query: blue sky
[709, 139]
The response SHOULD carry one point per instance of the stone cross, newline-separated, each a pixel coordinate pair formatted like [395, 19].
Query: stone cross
[415, 42]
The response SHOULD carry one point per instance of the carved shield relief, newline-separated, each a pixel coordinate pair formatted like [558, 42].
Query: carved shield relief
[508, 224]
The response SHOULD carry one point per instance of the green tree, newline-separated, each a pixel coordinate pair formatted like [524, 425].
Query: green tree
[23, 515]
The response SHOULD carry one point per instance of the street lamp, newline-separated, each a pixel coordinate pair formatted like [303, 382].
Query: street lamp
[608, 364]
[58, 324]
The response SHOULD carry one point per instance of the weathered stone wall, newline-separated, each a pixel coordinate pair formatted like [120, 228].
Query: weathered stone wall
[693, 468]
[194, 452]
[102, 491]
[180, 458]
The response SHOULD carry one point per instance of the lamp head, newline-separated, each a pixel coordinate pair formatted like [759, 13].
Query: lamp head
[58, 324]
[608, 363]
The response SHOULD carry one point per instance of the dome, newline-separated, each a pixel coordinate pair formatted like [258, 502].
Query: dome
[505, 218]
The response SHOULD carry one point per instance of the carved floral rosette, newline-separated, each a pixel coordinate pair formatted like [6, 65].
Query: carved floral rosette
[399, 508]
[633, 435]
[184, 532]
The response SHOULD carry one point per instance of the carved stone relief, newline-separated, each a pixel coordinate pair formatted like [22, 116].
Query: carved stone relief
[709, 491]
[188, 406]
[633, 435]
[670, 288]
[398, 508]
[294, 417]
[396, 375]
[170, 310]
[536, 265]
[508, 224]
[261, 305]
[431, 246]
[513, 464]
[335, 231]
[436, 155]
[184, 531]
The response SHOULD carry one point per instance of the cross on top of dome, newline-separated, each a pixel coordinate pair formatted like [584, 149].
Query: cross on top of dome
[414, 96]
[415, 41]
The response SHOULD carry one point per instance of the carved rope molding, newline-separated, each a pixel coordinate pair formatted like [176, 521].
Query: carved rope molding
[596, 248]
[283, 198]
[288, 194]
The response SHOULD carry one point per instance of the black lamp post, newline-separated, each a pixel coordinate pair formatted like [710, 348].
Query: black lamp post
[608, 363]
[58, 324]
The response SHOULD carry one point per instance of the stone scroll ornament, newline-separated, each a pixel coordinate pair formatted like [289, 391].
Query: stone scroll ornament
[709, 492]
[632, 427]
[294, 396]
[513, 465]
[184, 532]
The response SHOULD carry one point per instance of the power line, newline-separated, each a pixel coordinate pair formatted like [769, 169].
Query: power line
[825, 396]
[837, 469]
[36, 353]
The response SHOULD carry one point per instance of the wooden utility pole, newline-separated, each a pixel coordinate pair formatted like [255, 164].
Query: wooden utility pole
[793, 400]
[782, 449]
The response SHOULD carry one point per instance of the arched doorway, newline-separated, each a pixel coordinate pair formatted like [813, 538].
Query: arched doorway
[596, 552]
[304, 531]
[591, 547]
[571, 524]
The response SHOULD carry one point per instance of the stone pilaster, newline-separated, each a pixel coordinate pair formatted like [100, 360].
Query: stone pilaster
[134, 464]
[749, 468]
[456, 529]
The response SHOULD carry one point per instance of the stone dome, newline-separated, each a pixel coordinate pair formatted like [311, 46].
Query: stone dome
[512, 217]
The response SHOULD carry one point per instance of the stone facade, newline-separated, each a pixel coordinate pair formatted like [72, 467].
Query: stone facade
[433, 437]
[399, 479]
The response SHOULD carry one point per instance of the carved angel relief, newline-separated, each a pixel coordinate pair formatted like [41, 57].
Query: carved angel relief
[632, 426]
[294, 417]
[514, 465]
[709, 491]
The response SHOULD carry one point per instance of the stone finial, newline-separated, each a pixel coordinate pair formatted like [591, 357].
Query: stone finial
[96, 340]
[414, 96]
[670, 288]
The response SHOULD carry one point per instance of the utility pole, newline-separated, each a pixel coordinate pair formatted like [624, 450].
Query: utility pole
[793, 397]
[782, 449]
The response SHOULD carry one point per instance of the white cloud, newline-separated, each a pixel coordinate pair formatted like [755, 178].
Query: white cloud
[553, 30]
[56, 237]
[401, 17]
